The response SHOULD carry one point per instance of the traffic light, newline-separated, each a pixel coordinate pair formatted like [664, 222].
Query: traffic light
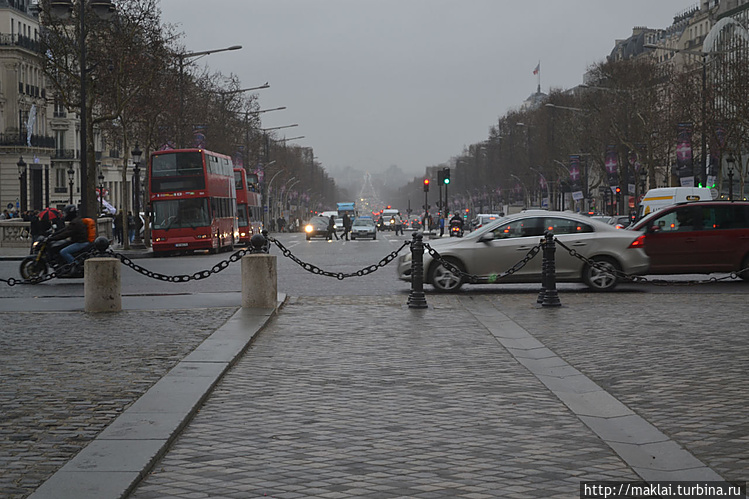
[426, 185]
[446, 176]
[440, 177]
[618, 190]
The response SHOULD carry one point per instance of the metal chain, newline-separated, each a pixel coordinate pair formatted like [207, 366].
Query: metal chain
[204, 274]
[641, 279]
[63, 269]
[472, 278]
[338, 275]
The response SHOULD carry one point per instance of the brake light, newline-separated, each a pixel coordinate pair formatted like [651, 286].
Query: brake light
[639, 242]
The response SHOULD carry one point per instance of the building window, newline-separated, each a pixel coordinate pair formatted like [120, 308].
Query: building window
[61, 177]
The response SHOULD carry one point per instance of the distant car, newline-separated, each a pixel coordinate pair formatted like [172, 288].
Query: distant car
[363, 227]
[388, 217]
[316, 227]
[498, 246]
[412, 223]
[697, 237]
[620, 221]
[483, 219]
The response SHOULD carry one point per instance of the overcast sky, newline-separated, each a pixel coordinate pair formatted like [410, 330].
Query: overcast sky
[374, 83]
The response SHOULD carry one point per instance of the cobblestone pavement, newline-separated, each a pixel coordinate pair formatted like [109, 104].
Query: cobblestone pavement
[679, 361]
[337, 399]
[66, 376]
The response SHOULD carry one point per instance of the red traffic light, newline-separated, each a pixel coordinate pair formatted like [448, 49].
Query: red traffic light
[426, 185]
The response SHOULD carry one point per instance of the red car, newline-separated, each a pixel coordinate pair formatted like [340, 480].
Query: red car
[698, 237]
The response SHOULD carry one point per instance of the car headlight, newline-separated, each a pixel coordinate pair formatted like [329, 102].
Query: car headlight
[407, 257]
[309, 228]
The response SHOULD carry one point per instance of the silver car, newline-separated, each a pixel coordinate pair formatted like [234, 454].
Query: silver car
[363, 227]
[495, 248]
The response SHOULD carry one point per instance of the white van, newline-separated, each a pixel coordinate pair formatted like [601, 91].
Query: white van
[655, 199]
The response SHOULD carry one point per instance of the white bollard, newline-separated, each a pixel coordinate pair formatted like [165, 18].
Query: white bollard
[102, 285]
[259, 281]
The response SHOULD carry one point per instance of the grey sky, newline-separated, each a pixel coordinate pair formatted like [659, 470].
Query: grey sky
[374, 83]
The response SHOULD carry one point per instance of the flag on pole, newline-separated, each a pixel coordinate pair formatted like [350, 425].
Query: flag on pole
[538, 69]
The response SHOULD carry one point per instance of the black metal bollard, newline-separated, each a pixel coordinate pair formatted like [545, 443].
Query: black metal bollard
[544, 272]
[417, 298]
[259, 243]
[551, 297]
[101, 244]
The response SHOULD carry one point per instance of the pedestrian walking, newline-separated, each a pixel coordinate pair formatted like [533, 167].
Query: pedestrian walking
[331, 229]
[346, 226]
[130, 226]
[118, 232]
[442, 225]
[398, 224]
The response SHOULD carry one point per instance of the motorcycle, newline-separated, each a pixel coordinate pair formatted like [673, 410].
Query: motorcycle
[456, 230]
[45, 254]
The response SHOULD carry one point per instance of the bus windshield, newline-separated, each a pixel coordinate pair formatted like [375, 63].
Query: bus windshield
[181, 213]
[177, 165]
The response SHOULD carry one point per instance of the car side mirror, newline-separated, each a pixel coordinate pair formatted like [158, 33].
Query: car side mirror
[487, 238]
[653, 229]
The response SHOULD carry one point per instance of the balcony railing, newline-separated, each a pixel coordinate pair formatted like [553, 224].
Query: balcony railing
[16, 139]
[21, 41]
[65, 154]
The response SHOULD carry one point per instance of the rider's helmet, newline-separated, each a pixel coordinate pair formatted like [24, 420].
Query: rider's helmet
[70, 212]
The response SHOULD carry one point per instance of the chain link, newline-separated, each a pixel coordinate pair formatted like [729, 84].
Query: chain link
[640, 279]
[338, 275]
[473, 278]
[61, 270]
[203, 274]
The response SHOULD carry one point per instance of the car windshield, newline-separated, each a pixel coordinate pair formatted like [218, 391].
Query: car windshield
[364, 222]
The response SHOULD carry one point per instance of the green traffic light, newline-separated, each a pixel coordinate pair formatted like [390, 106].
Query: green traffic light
[447, 181]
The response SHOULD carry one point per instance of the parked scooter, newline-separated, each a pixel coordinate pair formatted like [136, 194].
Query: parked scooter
[45, 254]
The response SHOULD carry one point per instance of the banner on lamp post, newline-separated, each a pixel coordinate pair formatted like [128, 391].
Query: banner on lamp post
[684, 159]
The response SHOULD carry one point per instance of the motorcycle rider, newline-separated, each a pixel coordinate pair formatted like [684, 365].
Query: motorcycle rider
[75, 232]
[457, 220]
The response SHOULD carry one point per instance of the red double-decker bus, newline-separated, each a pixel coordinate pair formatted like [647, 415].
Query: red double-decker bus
[249, 205]
[193, 201]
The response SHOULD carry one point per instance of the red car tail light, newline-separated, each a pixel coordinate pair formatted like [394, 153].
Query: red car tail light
[639, 242]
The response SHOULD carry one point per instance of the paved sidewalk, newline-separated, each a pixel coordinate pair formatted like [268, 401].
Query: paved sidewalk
[476, 396]
[485, 397]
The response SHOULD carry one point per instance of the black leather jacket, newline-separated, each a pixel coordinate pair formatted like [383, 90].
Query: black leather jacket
[75, 230]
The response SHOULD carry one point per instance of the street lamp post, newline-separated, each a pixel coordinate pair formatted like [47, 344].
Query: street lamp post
[548, 193]
[182, 57]
[62, 9]
[71, 178]
[730, 160]
[286, 198]
[266, 196]
[525, 190]
[22, 180]
[101, 193]
[136, 155]
[643, 179]
[283, 195]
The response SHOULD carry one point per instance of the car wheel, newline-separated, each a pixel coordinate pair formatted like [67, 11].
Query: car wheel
[374, 236]
[602, 277]
[353, 238]
[745, 265]
[309, 237]
[445, 280]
